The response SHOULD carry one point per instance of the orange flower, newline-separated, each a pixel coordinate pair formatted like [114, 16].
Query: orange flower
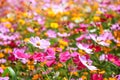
[106, 49]
[84, 77]
[35, 77]
[1, 55]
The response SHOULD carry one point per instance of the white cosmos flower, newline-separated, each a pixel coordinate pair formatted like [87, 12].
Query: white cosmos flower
[99, 40]
[40, 43]
[85, 48]
[86, 63]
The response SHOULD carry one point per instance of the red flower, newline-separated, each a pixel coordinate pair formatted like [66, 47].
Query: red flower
[13, 44]
[95, 48]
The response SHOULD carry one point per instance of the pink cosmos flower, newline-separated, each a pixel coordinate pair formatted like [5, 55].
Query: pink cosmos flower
[39, 19]
[19, 54]
[96, 76]
[40, 43]
[64, 56]
[4, 78]
[113, 59]
[38, 57]
[30, 30]
[2, 61]
[115, 27]
[51, 34]
[87, 62]
[50, 57]
[102, 57]
[101, 39]
[118, 77]
[3, 29]
[71, 25]
[1, 70]
[63, 34]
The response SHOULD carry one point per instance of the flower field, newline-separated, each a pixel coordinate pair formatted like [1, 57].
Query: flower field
[59, 40]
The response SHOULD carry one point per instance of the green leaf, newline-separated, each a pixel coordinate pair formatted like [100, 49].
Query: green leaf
[54, 40]
[11, 72]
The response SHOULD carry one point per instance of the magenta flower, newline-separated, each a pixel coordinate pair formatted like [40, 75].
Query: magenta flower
[40, 43]
[64, 56]
[19, 54]
[38, 57]
[77, 61]
[114, 59]
[50, 57]
[96, 77]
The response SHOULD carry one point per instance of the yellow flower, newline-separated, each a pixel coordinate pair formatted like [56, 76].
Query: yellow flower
[1, 55]
[63, 43]
[102, 72]
[50, 13]
[7, 50]
[85, 73]
[65, 78]
[96, 18]
[12, 29]
[93, 71]
[101, 29]
[62, 47]
[81, 52]
[118, 44]
[74, 73]
[26, 39]
[3, 67]
[105, 79]
[66, 13]
[95, 6]
[98, 12]
[31, 67]
[108, 41]
[54, 25]
[3, 20]
[30, 62]
[106, 49]
[10, 19]
[112, 78]
[22, 22]
[25, 14]
[77, 19]
[8, 25]
[36, 29]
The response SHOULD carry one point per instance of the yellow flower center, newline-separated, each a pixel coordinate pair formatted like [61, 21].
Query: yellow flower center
[38, 44]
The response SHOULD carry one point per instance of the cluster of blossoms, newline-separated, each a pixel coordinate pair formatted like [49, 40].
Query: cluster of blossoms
[59, 40]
